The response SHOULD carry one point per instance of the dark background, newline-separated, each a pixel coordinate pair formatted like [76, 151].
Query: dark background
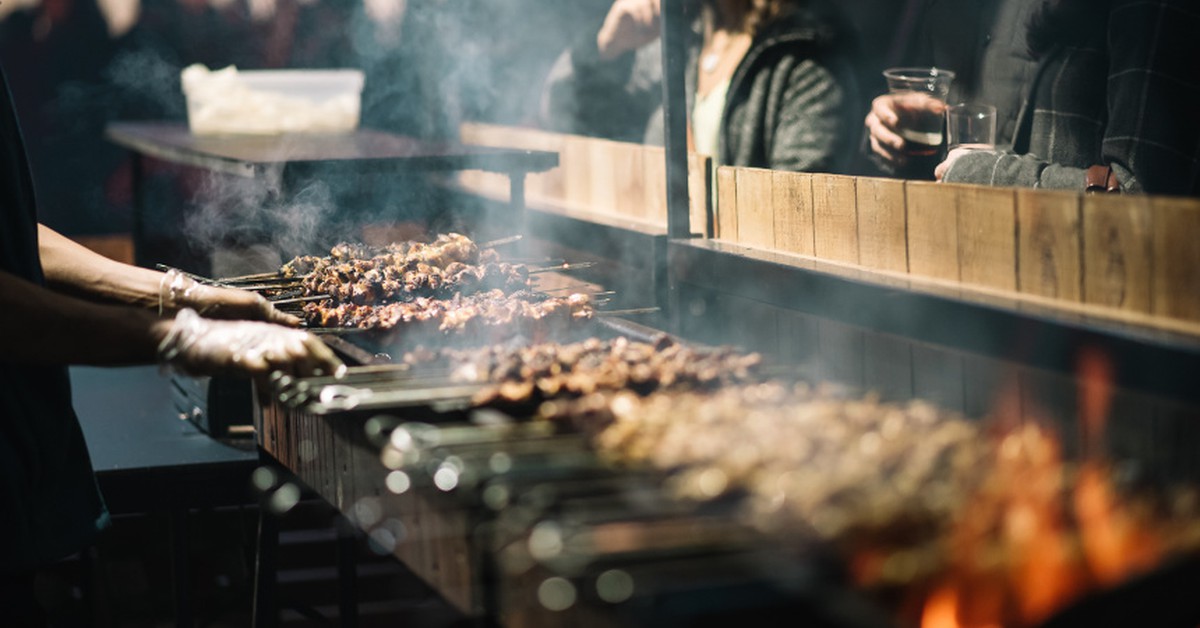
[449, 61]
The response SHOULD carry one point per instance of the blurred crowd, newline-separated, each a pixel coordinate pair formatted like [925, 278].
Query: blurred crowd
[793, 88]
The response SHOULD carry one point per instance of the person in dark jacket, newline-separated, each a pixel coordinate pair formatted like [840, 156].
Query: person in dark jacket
[983, 43]
[1108, 84]
[62, 304]
[770, 84]
[1117, 88]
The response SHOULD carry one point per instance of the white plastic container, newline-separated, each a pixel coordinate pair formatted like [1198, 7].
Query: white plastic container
[270, 102]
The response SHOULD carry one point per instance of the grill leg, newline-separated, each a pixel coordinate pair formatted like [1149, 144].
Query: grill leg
[181, 568]
[266, 608]
[347, 574]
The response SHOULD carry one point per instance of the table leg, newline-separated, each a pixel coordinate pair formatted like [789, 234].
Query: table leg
[181, 568]
[266, 608]
[516, 181]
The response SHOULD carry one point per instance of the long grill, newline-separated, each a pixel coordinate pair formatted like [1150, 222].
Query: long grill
[529, 508]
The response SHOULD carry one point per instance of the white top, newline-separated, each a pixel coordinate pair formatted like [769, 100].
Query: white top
[706, 119]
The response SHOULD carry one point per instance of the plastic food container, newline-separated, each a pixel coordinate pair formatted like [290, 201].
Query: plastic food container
[270, 102]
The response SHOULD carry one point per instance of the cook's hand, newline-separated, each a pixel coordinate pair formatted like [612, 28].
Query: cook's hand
[883, 122]
[944, 167]
[201, 346]
[630, 24]
[178, 291]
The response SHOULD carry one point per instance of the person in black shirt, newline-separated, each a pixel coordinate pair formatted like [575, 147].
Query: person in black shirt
[62, 304]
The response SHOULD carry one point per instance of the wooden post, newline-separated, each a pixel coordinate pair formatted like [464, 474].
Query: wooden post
[755, 199]
[793, 201]
[654, 169]
[835, 218]
[700, 197]
[932, 230]
[1049, 244]
[987, 248]
[726, 210]
[1176, 258]
[604, 176]
[576, 162]
[882, 225]
[1118, 240]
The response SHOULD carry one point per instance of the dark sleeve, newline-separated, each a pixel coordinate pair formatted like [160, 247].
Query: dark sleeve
[614, 99]
[1153, 136]
[1152, 139]
[817, 121]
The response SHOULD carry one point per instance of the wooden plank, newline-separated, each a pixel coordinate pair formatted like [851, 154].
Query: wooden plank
[576, 163]
[1049, 248]
[755, 213]
[1176, 258]
[700, 179]
[1118, 238]
[604, 156]
[987, 237]
[882, 224]
[932, 230]
[793, 201]
[654, 171]
[629, 180]
[888, 367]
[835, 219]
[726, 209]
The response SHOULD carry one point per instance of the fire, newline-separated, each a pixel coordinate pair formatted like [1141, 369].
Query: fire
[1040, 533]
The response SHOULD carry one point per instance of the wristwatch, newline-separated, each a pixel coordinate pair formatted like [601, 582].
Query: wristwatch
[1102, 179]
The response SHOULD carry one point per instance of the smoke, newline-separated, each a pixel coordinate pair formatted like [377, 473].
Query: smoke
[234, 211]
[146, 84]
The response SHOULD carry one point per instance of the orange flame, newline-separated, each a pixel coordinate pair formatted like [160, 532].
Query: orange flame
[1030, 543]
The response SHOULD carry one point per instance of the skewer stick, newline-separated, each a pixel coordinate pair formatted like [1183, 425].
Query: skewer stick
[338, 331]
[269, 286]
[562, 267]
[578, 288]
[200, 278]
[629, 312]
[501, 242]
[254, 277]
[315, 297]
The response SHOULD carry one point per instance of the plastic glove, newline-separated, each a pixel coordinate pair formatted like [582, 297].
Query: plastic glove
[178, 291]
[200, 346]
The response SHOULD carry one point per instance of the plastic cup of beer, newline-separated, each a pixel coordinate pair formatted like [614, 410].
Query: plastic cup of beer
[920, 105]
[970, 125]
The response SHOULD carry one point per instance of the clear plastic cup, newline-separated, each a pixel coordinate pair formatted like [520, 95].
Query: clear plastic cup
[921, 104]
[970, 125]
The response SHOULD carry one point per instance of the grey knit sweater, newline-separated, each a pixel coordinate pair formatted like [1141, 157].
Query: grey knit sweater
[793, 101]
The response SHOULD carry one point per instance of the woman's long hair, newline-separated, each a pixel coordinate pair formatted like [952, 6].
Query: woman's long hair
[756, 13]
[1064, 22]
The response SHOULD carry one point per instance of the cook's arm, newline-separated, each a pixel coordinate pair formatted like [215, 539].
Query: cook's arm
[44, 327]
[75, 270]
